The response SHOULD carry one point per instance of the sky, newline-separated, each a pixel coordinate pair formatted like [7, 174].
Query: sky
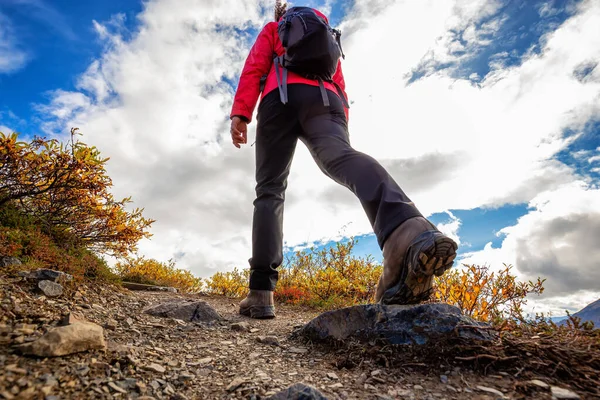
[486, 112]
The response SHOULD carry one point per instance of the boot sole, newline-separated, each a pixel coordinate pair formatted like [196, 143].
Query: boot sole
[431, 253]
[258, 312]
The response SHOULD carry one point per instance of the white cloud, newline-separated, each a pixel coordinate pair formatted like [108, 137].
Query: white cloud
[5, 129]
[558, 305]
[451, 228]
[12, 56]
[508, 127]
[557, 241]
[156, 105]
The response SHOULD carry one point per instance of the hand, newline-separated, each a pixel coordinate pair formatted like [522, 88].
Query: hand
[239, 131]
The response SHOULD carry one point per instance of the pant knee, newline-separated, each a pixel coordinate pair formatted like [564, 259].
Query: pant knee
[270, 192]
[334, 159]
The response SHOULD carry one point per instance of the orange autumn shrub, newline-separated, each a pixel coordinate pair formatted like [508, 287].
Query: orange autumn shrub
[232, 284]
[65, 188]
[21, 237]
[327, 278]
[153, 272]
[331, 277]
[486, 295]
[290, 295]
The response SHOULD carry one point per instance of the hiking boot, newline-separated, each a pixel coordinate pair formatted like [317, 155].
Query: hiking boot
[258, 304]
[412, 255]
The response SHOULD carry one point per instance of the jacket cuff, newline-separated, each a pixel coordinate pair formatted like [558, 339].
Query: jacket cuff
[242, 113]
[242, 117]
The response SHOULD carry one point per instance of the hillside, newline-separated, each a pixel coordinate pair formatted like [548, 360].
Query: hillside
[590, 313]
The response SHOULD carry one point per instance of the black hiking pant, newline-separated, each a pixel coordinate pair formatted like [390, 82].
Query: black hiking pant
[324, 131]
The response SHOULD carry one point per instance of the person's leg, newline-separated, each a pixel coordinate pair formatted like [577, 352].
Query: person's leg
[413, 248]
[325, 133]
[276, 138]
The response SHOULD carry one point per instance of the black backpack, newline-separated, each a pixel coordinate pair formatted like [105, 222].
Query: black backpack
[312, 50]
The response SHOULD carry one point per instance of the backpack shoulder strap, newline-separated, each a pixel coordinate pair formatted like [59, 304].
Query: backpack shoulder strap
[287, 23]
[281, 80]
[323, 93]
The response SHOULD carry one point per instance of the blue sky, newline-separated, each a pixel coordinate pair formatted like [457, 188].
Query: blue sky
[503, 96]
[60, 42]
[478, 227]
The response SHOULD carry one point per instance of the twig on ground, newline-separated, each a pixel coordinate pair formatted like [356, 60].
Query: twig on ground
[487, 356]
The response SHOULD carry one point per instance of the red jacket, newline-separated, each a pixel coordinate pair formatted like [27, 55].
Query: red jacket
[260, 62]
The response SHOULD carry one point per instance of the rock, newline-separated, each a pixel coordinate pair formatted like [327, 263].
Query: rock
[240, 326]
[25, 329]
[270, 340]
[83, 370]
[395, 324]
[560, 393]
[50, 289]
[155, 385]
[69, 319]
[236, 383]
[332, 375]
[539, 383]
[63, 340]
[111, 324]
[43, 274]
[151, 288]
[361, 379]
[116, 388]
[48, 380]
[169, 389]
[491, 390]
[299, 391]
[156, 368]
[15, 370]
[196, 311]
[298, 350]
[6, 261]
[186, 376]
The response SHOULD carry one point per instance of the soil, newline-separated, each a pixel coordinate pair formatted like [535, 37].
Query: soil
[157, 358]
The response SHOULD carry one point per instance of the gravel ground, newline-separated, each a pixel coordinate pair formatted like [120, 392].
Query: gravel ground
[157, 358]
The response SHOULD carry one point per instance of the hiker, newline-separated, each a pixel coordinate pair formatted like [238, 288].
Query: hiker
[303, 97]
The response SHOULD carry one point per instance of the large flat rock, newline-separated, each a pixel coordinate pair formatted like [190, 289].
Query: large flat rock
[299, 391]
[65, 340]
[189, 311]
[395, 324]
[6, 261]
[43, 274]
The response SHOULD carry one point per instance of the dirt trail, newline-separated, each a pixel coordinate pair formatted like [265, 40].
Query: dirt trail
[149, 357]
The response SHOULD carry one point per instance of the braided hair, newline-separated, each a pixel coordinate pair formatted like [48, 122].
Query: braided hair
[280, 9]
